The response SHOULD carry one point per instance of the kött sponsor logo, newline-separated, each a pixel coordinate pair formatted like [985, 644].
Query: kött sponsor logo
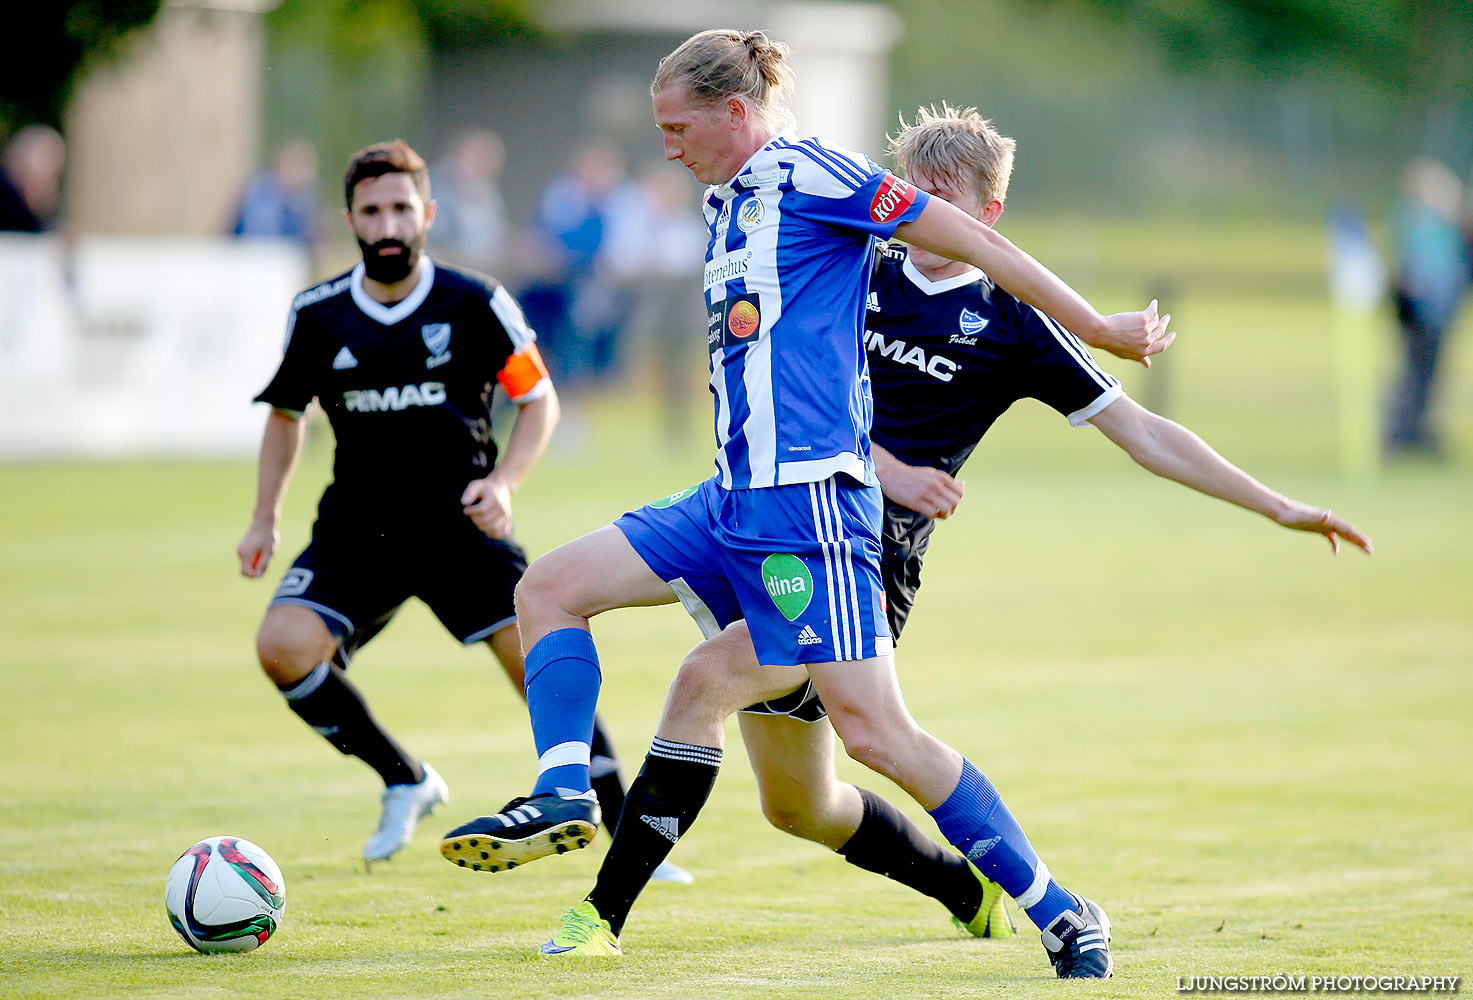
[892, 199]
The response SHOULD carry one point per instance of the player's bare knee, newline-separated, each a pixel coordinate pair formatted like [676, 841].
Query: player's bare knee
[701, 680]
[790, 815]
[542, 588]
[869, 741]
[285, 656]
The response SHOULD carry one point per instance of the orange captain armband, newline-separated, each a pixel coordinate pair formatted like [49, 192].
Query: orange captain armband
[523, 373]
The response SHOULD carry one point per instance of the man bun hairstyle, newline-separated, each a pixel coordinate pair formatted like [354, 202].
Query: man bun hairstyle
[386, 158]
[958, 145]
[723, 62]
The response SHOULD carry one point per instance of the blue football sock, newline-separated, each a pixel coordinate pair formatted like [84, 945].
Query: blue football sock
[977, 822]
[563, 679]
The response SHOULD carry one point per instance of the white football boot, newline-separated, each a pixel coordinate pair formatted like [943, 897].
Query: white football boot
[403, 807]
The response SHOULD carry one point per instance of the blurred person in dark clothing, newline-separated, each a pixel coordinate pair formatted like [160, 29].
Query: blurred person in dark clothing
[30, 179]
[1432, 276]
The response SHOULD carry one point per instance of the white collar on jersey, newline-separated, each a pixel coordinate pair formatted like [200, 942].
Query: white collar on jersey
[389, 315]
[930, 287]
[727, 190]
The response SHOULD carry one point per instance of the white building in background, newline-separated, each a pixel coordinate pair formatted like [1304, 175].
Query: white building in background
[146, 332]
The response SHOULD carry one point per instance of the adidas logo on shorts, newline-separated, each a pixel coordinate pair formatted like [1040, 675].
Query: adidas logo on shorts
[666, 826]
[808, 637]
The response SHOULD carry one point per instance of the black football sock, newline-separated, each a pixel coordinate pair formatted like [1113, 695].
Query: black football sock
[330, 704]
[663, 802]
[603, 773]
[889, 844]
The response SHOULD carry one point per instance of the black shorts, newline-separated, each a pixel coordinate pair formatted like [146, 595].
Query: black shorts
[906, 537]
[356, 578]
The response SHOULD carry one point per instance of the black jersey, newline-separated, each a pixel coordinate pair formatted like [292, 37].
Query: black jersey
[948, 357]
[407, 387]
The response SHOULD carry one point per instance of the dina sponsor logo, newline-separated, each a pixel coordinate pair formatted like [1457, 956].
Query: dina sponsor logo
[787, 581]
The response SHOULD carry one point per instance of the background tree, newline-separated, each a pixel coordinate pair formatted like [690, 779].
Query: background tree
[52, 43]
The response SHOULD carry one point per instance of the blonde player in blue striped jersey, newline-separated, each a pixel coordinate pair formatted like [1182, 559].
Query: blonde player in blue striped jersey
[786, 534]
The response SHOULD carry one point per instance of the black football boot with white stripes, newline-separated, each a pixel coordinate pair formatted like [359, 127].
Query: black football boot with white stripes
[1078, 943]
[526, 829]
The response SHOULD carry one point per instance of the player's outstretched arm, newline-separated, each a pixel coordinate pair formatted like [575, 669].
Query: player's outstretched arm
[281, 446]
[945, 229]
[924, 490]
[487, 502]
[1170, 450]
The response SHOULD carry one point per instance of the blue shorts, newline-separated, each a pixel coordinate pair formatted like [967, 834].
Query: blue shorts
[801, 563]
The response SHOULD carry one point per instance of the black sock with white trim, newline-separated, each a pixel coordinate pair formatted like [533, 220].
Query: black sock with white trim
[663, 802]
[328, 702]
[889, 844]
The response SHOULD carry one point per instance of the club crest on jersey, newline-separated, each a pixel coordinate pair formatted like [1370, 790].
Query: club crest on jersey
[437, 338]
[892, 199]
[750, 217]
[733, 321]
[971, 323]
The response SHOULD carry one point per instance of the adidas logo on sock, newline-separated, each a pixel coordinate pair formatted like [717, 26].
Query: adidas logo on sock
[666, 826]
[808, 637]
[344, 359]
[982, 847]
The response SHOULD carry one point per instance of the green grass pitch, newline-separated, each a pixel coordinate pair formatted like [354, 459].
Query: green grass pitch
[1258, 758]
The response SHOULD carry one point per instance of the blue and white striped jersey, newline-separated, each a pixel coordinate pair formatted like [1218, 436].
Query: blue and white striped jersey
[787, 271]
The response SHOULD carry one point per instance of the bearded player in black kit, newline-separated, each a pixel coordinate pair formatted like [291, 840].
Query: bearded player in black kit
[404, 356]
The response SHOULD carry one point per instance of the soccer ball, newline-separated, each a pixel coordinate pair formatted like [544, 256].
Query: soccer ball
[225, 894]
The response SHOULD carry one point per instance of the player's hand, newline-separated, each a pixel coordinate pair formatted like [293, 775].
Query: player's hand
[924, 490]
[257, 547]
[1135, 336]
[487, 502]
[1302, 517]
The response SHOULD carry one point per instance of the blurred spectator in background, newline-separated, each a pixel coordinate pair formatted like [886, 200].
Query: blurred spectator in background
[470, 221]
[281, 201]
[30, 179]
[1432, 275]
[654, 249]
[571, 305]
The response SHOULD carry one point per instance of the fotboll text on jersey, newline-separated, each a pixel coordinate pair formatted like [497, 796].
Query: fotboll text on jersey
[936, 366]
[394, 397]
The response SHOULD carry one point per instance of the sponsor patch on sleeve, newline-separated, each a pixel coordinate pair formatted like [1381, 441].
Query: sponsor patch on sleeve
[892, 199]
